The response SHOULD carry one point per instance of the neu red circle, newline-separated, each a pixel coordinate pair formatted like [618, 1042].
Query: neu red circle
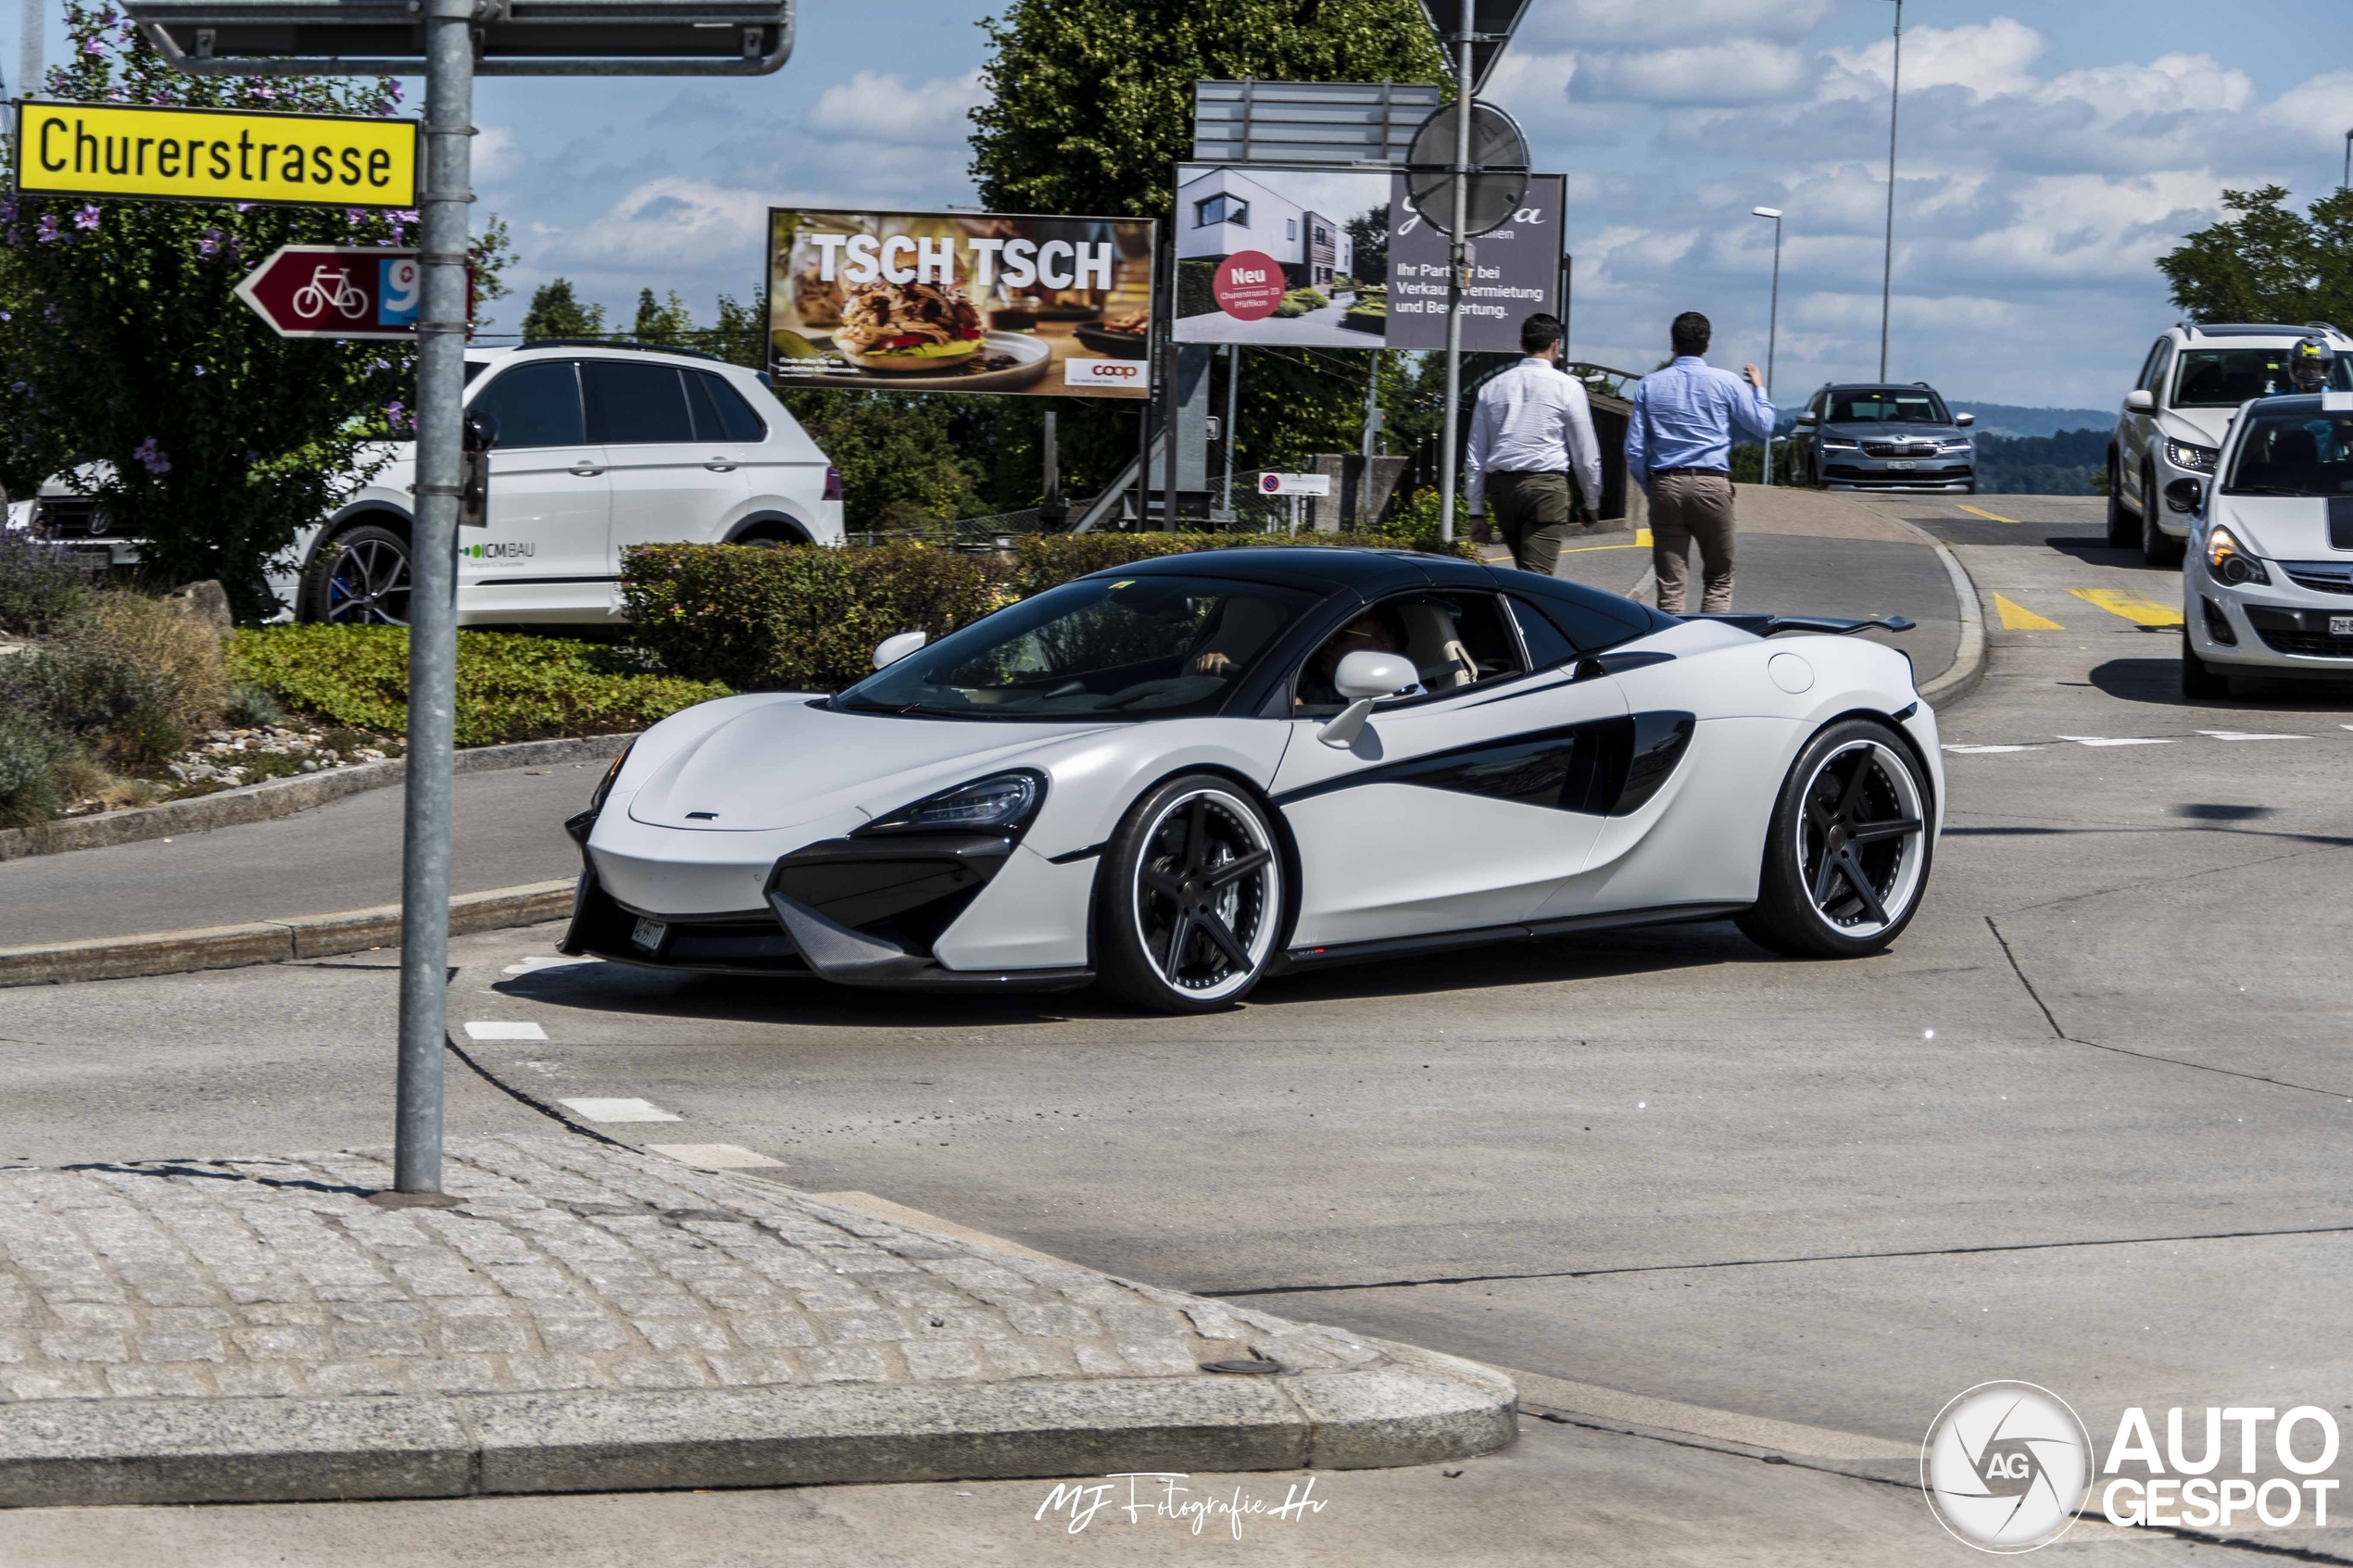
[1250, 284]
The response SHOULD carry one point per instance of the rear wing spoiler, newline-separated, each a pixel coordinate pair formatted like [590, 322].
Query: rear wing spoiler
[1764, 625]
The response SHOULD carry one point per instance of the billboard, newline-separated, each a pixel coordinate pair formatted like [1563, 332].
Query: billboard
[959, 302]
[1338, 258]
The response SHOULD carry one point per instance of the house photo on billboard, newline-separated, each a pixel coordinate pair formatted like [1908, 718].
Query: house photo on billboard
[1268, 256]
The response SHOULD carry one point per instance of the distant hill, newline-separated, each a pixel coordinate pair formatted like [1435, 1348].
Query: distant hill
[2007, 419]
[2068, 463]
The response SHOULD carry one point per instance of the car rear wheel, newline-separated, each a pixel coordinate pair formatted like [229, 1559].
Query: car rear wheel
[359, 578]
[2158, 547]
[2123, 528]
[2200, 681]
[1190, 901]
[1847, 859]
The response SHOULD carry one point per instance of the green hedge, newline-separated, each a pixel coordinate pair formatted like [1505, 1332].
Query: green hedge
[807, 617]
[510, 686]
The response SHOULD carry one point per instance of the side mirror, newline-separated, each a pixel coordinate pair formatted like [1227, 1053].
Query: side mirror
[2185, 496]
[1964, 421]
[1807, 420]
[1365, 679]
[2138, 402]
[890, 650]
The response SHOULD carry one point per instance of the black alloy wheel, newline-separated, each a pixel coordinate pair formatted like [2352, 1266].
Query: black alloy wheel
[2123, 528]
[1848, 860]
[2158, 547]
[2200, 681]
[1189, 900]
[361, 578]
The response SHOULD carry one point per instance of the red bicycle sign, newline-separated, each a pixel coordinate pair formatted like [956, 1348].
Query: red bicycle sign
[339, 291]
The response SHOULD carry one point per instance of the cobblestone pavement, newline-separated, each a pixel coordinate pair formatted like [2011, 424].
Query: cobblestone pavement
[568, 1266]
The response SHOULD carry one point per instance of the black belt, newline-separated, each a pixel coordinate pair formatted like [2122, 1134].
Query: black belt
[1724, 472]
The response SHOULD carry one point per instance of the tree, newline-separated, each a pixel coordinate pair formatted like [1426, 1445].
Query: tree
[123, 346]
[556, 313]
[671, 323]
[1368, 236]
[2268, 263]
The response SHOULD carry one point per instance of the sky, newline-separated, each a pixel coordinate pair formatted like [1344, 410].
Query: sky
[2048, 154]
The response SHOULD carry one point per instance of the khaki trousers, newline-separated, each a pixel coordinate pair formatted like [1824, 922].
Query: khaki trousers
[1684, 508]
[1535, 512]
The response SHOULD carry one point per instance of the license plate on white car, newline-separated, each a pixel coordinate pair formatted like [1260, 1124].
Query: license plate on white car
[1902, 465]
[2341, 625]
[649, 935]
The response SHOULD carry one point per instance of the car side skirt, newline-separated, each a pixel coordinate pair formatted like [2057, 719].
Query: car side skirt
[1522, 931]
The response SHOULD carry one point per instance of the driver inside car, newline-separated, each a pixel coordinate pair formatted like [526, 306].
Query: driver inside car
[1375, 631]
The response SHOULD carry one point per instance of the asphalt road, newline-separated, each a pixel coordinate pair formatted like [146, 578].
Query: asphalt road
[2087, 1125]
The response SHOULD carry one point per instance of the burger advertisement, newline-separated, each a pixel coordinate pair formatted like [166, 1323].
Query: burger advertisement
[961, 302]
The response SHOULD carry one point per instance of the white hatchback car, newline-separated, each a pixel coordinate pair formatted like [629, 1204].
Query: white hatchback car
[2175, 418]
[601, 446]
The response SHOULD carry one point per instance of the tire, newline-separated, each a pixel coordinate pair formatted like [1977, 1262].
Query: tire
[2123, 528]
[2158, 547]
[1190, 901]
[360, 577]
[1824, 895]
[2200, 681]
[770, 535]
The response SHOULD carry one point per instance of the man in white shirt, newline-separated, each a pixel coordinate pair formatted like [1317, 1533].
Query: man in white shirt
[1533, 453]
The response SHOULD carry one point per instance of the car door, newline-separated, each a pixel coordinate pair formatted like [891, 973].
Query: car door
[669, 481]
[543, 555]
[2132, 449]
[736, 439]
[1447, 813]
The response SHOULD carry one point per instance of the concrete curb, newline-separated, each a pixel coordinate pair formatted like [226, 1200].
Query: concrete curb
[1967, 668]
[234, 946]
[280, 798]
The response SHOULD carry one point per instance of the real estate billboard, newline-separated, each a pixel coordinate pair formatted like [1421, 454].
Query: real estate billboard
[1338, 258]
[959, 302]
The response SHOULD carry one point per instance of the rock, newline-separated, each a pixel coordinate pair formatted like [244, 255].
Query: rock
[206, 603]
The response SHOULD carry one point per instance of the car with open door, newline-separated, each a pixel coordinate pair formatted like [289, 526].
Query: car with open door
[1181, 776]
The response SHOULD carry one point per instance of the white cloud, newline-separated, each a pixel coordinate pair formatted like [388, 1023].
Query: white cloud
[1988, 58]
[2319, 110]
[664, 219]
[1739, 71]
[1592, 23]
[497, 154]
[880, 106]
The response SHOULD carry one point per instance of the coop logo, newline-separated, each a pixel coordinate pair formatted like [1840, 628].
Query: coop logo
[1100, 372]
[514, 550]
[2005, 1467]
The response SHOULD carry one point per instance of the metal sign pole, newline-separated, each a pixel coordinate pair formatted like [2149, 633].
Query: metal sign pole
[29, 50]
[433, 616]
[1461, 182]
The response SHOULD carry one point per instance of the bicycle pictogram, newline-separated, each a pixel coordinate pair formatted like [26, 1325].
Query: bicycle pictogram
[330, 286]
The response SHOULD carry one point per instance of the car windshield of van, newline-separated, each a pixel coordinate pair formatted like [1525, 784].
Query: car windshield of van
[1888, 405]
[1128, 647]
[2224, 378]
[2294, 454]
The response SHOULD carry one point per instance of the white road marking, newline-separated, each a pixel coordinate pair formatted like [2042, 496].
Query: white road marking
[622, 1111]
[2104, 740]
[1982, 750]
[716, 1155]
[532, 965]
[502, 1030]
[2248, 735]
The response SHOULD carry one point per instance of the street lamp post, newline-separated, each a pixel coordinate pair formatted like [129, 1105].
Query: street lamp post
[1772, 325]
[1887, 277]
[2347, 181]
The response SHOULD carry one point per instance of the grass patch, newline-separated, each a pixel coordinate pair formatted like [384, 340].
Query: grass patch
[510, 686]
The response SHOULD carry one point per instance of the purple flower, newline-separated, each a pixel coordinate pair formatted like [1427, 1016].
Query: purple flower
[48, 229]
[87, 218]
[245, 207]
[93, 47]
[151, 456]
[199, 370]
[208, 243]
[396, 413]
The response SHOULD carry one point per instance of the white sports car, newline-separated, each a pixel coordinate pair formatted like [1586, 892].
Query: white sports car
[1182, 776]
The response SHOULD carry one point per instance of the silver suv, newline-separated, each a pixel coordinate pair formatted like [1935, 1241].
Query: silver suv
[601, 446]
[2178, 414]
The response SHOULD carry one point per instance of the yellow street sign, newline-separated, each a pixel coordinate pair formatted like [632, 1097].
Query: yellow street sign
[218, 155]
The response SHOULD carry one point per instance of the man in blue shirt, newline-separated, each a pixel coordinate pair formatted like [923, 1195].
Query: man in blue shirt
[1678, 448]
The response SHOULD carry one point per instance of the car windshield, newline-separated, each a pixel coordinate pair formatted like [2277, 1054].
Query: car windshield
[1133, 648]
[2224, 378]
[1888, 405]
[2294, 454]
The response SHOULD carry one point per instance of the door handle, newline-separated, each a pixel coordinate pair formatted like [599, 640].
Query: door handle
[717, 467]
[587, 472]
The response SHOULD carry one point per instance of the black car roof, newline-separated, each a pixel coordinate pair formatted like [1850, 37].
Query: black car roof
[1325, 569]
[2293, 402]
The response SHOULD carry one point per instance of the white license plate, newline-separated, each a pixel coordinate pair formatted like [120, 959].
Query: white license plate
[648, 934]
[2341, 625]
[1902, 465]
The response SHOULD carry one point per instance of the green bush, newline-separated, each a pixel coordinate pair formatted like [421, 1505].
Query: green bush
[121, 709]
[510, 686]
[1196, 288]
[33, 765]
[40, 592]
[800, 618]
[1299, 302]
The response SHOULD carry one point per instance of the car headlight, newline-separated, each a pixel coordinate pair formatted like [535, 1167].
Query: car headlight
[2181, 455]
[1831, 444]
[2227, 561]
[997, 803]
[604, 785]
[1955, 446]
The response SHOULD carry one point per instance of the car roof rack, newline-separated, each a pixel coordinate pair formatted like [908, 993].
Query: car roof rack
[2252, 329]
[630, 343]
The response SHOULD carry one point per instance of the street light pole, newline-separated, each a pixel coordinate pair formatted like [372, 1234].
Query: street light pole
[1887, 277]
[1772, 326]
[2347, 181]
[29, 50]
[433, 604]
[1461, 183]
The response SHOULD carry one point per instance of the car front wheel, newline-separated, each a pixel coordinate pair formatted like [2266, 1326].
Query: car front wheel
[2158, 547]
[359, 578]
[1848, 857]
[2123, 528]
[1189, 904]
[2200, 681]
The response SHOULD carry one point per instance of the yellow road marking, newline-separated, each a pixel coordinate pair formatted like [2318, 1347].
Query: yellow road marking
[2116, 601]
[1642, 542]
[2018, 618]
[1990, 517]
